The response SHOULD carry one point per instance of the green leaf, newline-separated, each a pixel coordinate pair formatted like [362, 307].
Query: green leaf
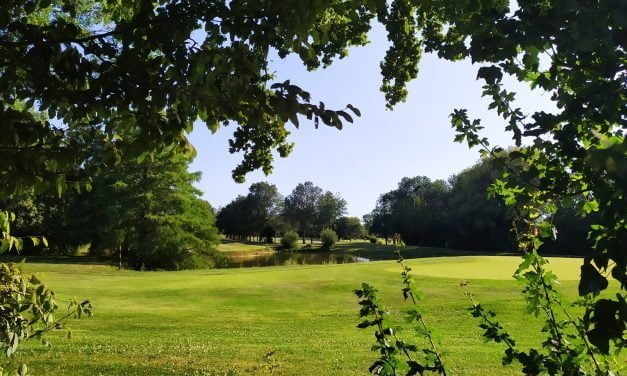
[591, 282]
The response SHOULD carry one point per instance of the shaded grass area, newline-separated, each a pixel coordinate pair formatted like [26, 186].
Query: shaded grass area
[197, 322]
[234, 248]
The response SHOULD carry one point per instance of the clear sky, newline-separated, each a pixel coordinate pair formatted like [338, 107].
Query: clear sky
[369, 157]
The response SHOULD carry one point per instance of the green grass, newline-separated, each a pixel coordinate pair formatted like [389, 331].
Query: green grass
[231, 247]
[196, 322]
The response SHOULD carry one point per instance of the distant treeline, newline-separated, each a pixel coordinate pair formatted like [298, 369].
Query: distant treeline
[453, 214]
[264, 213]
[459, 214]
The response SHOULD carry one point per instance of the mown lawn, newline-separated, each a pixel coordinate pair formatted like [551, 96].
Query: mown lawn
[209, 322]
[231, 247]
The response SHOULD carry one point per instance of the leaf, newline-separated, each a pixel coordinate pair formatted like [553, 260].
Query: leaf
[491, 74]
[591, 282]
[354, 109]
[345, 116]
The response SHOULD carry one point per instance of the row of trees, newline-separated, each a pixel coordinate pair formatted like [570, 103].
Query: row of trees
[144, 211]
[459, 214]
[265, 213]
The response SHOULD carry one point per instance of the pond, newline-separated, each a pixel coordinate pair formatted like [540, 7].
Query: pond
[293, 258]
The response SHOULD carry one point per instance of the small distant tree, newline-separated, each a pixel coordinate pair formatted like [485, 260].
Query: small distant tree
[349, 228]
[264, 204]
[328, 237]
[301, 207]
[367, 220]
[330, 207]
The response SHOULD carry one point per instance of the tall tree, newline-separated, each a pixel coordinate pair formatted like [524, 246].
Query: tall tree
[476, 221]
[153, 212]
[330, 208]
[265, 205]
[232, 220]
[415, 210]
[301, 207]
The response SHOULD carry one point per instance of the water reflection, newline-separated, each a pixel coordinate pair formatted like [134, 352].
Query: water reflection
[295, 258]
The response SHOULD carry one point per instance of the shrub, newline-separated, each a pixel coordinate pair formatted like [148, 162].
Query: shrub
[289, 241]
[328, 237]
[373, 239]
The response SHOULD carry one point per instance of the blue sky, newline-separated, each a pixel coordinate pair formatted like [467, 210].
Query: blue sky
[369, 157]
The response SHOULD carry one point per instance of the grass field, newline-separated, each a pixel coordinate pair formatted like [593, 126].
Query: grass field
[209, 322]
[242, 248]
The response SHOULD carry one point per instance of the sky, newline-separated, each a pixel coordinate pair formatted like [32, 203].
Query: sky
[370, 156]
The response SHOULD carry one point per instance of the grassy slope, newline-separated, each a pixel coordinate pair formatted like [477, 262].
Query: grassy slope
[174, 323]
[229, 246]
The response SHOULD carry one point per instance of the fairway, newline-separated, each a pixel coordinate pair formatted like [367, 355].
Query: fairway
[212, 321]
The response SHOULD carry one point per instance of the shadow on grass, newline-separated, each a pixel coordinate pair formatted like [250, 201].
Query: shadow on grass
[388, 252]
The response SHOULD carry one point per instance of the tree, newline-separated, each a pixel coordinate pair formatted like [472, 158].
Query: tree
[264, 205]
[329, 208]
[416, 211]
[232, 219]
[476, 221]
[151, 211]
[256, 214]
[118, 66]
[349, 228]
[301, 207]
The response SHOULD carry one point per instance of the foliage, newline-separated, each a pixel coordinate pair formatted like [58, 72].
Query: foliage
[566, 351]
[301, 207]
[289, 240]
[263, 212]
[474, 220]
[328, 237]
[159, 217]
[111, 66]
[389, 345]
[330, 208]
[148, 210]
[572, 51]
[256, 214]
[460, 214]
[110, 63]
[415, 211]
[349, 228]
[27, 310]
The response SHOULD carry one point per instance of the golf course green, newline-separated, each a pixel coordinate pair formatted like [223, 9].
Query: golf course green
[224, 321]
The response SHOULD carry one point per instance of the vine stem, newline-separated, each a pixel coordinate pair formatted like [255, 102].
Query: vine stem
[549, 310]
[420, 318]
[582, 334]
[483, 315]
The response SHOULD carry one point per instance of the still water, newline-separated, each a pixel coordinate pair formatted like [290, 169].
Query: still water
[295, 258]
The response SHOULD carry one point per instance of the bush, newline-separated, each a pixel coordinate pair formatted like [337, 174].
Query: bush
[373, 239]
[289, 241]
[328, 237]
